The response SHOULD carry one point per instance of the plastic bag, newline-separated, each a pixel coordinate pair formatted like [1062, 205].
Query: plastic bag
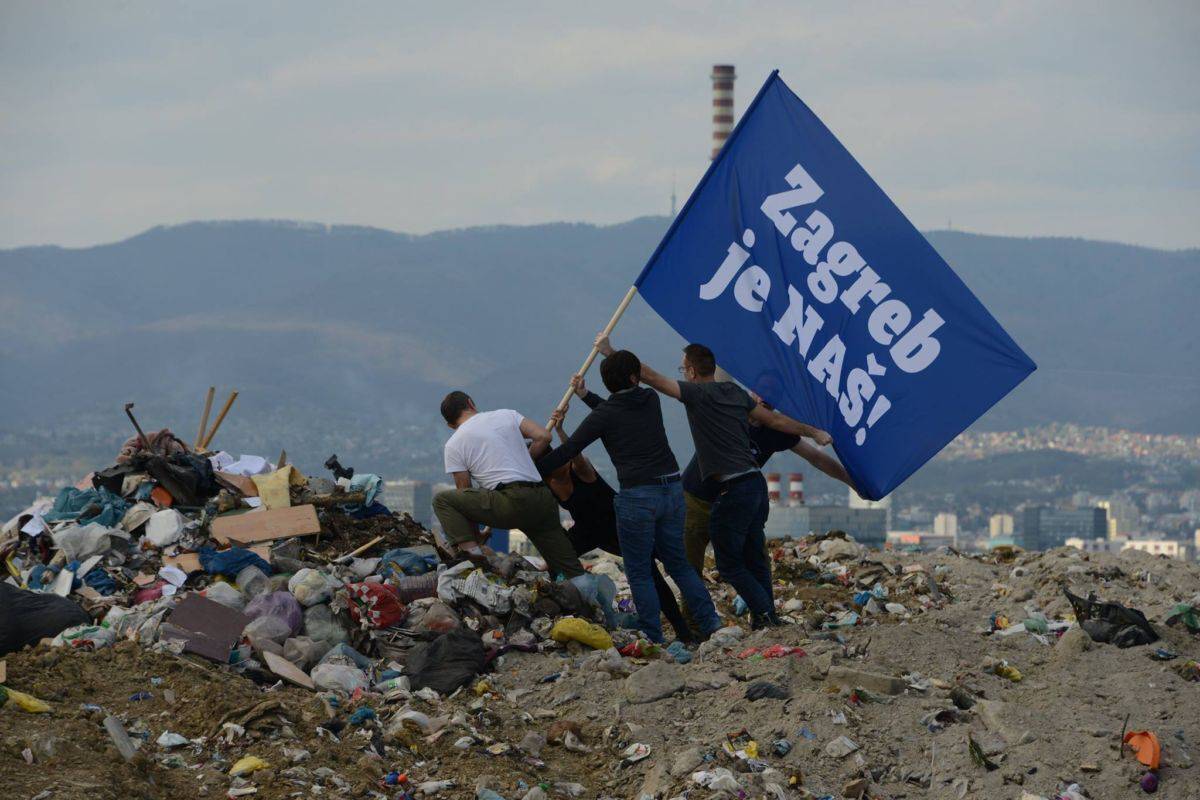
[321, 626]
[437, 619]
[225, 594]
[164, 527]
[375, 605]
[28, 617]
[85, 637]
[570, 629]
[407, 562]
[311, 587]
[338, 678]
[448, 662]
[1111, 622]
[304, 652]
[267, 629]
[342, 669]
[252, 581]
[277, 604]
[83, 541]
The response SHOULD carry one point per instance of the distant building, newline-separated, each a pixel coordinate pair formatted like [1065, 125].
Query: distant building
[1123, 516]
[413, 497]
[1044, 528]
[945, 525]
[867, 525]
[917, 540]
[1159, 547]
[1096, 545]
[886, 504]
[1000, 525]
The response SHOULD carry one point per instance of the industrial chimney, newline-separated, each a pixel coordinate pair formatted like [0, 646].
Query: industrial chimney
[773, 483]
[796, 489]
[723, 77]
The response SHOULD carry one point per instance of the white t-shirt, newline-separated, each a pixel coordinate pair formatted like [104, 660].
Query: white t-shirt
[490, 446]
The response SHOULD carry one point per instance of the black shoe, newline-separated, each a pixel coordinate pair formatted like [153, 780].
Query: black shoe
[774, 619]
[760, 621]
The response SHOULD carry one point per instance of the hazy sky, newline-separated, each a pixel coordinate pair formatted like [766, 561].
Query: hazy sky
[1047, 118]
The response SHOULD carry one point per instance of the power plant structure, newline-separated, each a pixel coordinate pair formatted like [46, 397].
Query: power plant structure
[723, 76]
[796, 519]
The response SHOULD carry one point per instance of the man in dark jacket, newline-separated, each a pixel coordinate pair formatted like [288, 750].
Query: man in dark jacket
[584, 493]
[719, 414]
[649, 505]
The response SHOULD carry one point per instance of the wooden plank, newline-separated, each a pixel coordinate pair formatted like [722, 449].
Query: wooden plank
[243, 484]
[287, 670]
[188, 562]
[264, 526]
[3, 671]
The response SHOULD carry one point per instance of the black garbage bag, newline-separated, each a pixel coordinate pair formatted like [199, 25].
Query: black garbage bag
[1111, 623]
[27, 617]
[448, 662]
[188, 477]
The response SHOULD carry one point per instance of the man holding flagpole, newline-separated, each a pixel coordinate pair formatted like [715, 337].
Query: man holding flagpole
[649, 505]
[719, 414]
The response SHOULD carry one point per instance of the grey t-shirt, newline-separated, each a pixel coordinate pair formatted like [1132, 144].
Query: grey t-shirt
[718, 413]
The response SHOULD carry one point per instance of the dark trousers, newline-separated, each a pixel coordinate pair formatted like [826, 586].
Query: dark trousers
[585, 539]
[739, 516]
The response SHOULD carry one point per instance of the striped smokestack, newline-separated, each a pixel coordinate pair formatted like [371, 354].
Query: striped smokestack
[723, 77]
[773, 488]
[796, 489]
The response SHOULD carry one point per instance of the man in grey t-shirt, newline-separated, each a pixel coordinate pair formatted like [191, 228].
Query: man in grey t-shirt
[719, 414]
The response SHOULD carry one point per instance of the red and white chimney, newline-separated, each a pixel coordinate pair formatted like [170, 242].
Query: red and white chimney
[773, 488]
[723, 77]
[796, 489]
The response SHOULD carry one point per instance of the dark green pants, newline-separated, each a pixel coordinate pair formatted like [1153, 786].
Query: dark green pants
[532, 510]
[696, 515]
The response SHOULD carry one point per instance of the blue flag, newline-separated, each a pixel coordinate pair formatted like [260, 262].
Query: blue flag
[815, 292]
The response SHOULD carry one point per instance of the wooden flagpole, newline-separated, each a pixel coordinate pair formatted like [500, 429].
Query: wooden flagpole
[204, 418]
[587, 362]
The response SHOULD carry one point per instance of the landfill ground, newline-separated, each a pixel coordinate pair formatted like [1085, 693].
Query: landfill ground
[1060, 724]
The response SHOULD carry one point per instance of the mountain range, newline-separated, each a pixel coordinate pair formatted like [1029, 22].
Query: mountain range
[342, 327]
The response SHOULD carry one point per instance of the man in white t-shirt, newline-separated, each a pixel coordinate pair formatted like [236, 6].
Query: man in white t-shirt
[497, 484]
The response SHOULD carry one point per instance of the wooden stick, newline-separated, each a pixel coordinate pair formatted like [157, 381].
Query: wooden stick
[363, 549]
[587, 362]
[204, 417]
[282, 460]
[220, 418]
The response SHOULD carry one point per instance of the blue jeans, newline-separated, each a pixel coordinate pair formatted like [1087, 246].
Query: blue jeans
[650, 524]
[739, 515]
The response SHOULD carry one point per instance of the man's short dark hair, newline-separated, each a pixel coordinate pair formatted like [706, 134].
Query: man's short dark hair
[701, 359]
[617, 369]
[454, 404]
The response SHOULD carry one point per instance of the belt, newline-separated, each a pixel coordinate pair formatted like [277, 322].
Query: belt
[518, 484]
[664, 481]
[726, 485]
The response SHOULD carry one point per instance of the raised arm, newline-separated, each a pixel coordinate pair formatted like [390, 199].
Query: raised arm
[589, 431]
[824, 462]
[785, 424]
[652, 378]
[539, 437]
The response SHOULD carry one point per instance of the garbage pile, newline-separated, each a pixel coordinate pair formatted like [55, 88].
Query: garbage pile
[208, 625]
